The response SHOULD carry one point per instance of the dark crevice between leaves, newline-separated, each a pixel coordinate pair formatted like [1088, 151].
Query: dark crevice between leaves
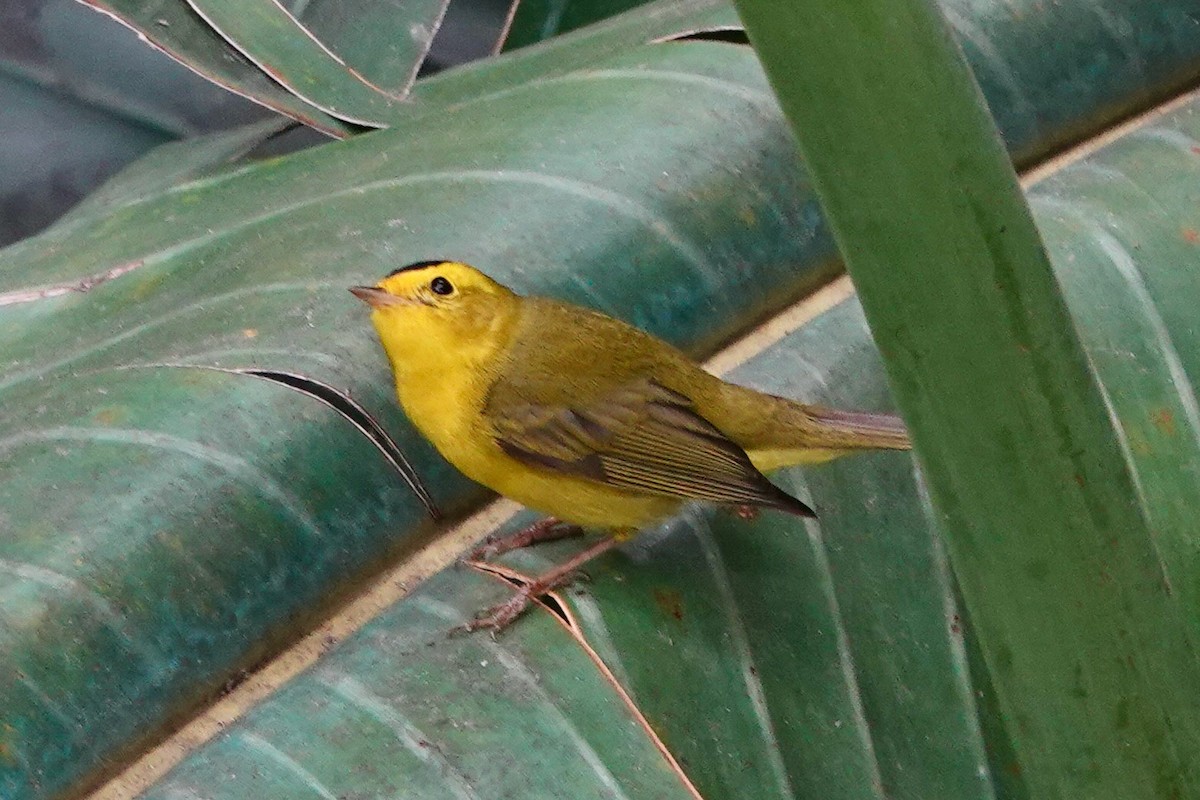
[554, 605]
[725, 34]
[469, 32]
[359, 417]
[289, 137]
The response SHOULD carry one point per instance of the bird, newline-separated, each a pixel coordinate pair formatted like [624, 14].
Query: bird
[585, 418]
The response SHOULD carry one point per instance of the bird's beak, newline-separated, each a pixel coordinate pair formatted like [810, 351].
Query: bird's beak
[375, 298]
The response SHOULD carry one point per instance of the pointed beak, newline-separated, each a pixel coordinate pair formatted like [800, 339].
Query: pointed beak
[375, 298]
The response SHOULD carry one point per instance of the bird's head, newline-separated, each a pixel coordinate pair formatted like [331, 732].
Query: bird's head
[437, 309]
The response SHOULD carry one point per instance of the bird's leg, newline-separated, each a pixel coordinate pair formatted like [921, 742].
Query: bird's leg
[544, 530]
[501, 616]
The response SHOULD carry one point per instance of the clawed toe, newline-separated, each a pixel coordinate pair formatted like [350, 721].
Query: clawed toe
[498, 617]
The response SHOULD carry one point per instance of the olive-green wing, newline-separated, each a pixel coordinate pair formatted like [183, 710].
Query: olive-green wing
[642, 437]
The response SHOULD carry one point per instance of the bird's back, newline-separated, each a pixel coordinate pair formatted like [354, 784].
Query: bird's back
[566, 356]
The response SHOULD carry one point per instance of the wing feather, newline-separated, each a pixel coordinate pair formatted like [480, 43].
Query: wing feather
[643, 437]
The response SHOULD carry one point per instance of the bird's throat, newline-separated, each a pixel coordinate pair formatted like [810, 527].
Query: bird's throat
[443, 368]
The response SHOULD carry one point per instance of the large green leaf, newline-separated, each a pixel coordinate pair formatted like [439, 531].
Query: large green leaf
[62, 44]
[547, 167]
[176, 30]
[197, 158]
[1049, 70]
[767, 656]
[256, 278]
[275, 41]
[1039, 497]
[772, 660]
[385, 41]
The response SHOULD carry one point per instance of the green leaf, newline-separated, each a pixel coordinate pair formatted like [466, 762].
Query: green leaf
[117, 548]
[767, 656]
[80, 97]
[267, 34]
[566, 54]
[385, 41]
[248, 269]
[1023, 462]
[1138, 337]
[1051, 71]
[64, 47]
[176, 30]
[550, 169]
[830, 661]
[174, 164]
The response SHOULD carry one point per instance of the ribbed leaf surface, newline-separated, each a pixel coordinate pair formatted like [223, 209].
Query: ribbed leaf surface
[132, 591]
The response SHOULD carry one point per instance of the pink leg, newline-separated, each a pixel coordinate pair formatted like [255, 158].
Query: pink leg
[501, 616]
[549, 529]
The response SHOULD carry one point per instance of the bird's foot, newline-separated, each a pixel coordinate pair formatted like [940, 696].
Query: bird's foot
[549, 529]
[499, 617]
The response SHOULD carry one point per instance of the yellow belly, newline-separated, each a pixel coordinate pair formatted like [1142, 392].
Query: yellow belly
[766, 460]
[446, 415]
[584, 502]
[575, 500]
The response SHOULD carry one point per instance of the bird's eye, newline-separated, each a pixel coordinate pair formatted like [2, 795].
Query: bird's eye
[440, 285]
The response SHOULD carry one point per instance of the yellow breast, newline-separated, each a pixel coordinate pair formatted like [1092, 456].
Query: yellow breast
[442, 380]
[447, 411]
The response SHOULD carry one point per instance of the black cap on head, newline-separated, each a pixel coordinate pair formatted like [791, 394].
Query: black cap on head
[416, 265]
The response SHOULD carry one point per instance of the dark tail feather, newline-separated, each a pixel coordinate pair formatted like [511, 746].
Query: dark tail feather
[782, 501]
[794, 506]
[863, 429]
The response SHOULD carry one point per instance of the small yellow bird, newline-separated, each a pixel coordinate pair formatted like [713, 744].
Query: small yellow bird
[581, 416]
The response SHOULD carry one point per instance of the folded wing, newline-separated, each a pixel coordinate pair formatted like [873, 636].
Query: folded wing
[643, 437]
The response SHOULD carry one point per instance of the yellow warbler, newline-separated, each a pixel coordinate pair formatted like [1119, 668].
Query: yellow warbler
[578, 415]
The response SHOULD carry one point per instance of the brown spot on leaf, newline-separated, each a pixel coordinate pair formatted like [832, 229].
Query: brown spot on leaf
[109, 416]
[670, 602]
[1164, 420]
[1191, 235]
[746, 512]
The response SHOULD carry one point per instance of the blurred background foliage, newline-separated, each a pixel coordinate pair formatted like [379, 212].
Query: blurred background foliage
[81, 96]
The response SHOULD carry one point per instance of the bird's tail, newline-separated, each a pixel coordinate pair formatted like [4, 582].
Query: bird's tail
[860, 429]
[791, 433]
[779, 432]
